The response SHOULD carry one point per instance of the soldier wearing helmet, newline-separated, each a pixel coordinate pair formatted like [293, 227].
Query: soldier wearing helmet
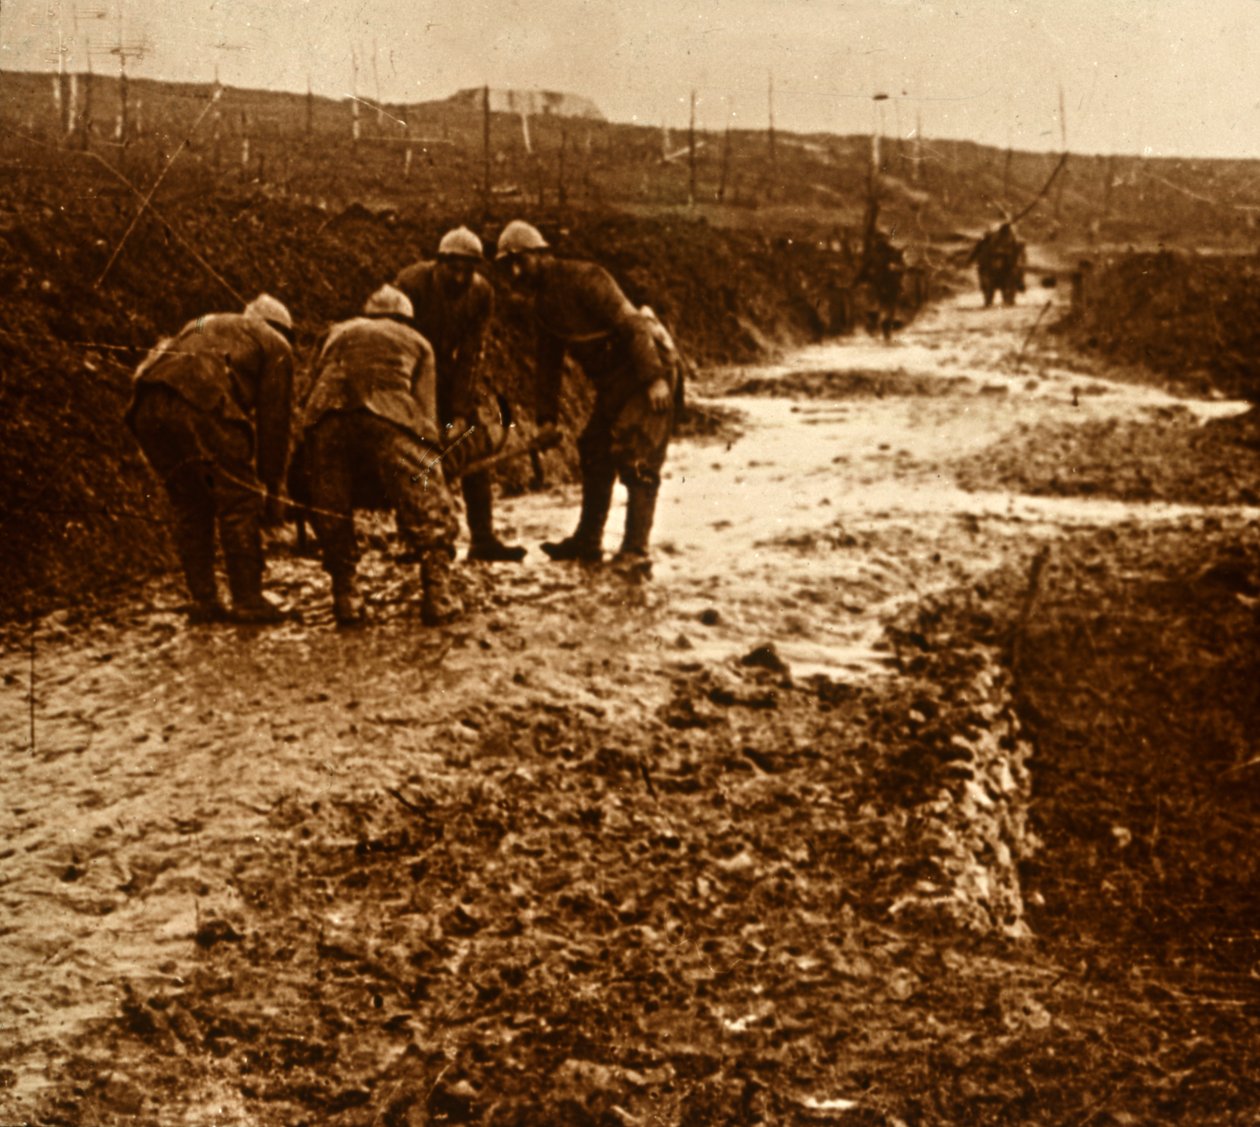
[370, 438]
[580, 311]
[453, 307]
[211, 411]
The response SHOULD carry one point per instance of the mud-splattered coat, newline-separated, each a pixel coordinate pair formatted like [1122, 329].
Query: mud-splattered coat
[456, 327]
[237, 369]
[381, 365]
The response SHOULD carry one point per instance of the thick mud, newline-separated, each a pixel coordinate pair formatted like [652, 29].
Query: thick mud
[756, 841]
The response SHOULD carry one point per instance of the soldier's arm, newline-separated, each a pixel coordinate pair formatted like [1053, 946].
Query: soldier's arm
[607, 304]
[273, 416]
[548, 376]
[472, 344]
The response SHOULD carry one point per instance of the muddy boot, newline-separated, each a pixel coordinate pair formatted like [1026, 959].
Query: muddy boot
[633, 561]
[194, 539]
[206, 605]
[586, 543]
[249, 605]
[440, 604]
[348, 607]
[486, 546]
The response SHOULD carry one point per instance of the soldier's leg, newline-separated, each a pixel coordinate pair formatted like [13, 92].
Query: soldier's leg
[486, 546]
[239, 503]
[165, 431]
[329, 452]
[599, 472]
[640, 442]
[416, 490]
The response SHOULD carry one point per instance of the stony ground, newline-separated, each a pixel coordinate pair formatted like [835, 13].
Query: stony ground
[918, 786]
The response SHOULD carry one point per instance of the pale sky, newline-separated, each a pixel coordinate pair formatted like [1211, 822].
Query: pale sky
[1168, 77]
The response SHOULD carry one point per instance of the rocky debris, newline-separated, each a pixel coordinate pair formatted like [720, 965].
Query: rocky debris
[854, 384]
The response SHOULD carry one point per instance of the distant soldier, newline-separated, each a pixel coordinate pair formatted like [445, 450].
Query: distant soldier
[883, 267]
[453, 305]
[370, 432]
[629, 358]
[211, 411]
[999, 259]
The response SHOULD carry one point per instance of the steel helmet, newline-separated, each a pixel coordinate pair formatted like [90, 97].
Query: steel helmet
[267, 308]
[388, 300]
[460, 243]
[519, 236]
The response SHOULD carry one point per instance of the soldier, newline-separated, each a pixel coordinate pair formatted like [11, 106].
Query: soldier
[579, 310]
[211, 410]
[370, 431]
[453, 306]
[883, 267]
[999, 259]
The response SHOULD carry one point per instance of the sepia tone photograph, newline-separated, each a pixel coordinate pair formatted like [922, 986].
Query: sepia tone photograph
[588, 564]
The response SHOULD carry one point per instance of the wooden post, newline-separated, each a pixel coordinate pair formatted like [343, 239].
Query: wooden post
[354, 94]
[726, 155]
[122, 99]
[407, 164]
[562, 192]
[310, 108]
[770, 100]
[919, 170]
[376, 82]
[485, 145]
[244, 140]
[691, 154]
[85, 119]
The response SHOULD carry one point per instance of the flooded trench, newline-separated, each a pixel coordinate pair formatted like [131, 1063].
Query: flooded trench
[144, 757]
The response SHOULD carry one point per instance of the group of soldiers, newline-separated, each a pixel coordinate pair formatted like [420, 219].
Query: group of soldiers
[395, 413]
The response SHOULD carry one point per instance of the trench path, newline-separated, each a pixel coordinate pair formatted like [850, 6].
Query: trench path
[143, 756]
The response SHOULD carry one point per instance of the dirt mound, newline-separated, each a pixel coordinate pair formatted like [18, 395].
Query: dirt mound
[1194, 319]
[1172, 457]
[1136, 655]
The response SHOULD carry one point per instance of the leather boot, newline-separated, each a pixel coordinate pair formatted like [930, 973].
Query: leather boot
[195, 543]
[486, 546]
[348, 607]
[440, 603]
[633, 559]
[586, 543]
[249, 604]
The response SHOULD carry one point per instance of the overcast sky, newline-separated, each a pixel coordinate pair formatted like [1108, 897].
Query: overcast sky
[1170, 77]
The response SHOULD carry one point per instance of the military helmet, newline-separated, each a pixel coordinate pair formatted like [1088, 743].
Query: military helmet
[460, 243]
[269, 309]
[519, 236]
[389, 300]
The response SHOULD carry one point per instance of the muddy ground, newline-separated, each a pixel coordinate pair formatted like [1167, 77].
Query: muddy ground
[918, 786]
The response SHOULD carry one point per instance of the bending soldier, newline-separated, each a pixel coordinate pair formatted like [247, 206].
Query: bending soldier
[370, 434]
[579, 310]
[453, 305]
[211, 411]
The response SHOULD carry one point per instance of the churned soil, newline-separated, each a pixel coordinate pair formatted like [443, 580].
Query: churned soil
[886, 801]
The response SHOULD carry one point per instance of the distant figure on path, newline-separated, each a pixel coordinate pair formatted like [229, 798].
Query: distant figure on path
[629, 358]
[211, 411]
[999, 259]
[883, 267]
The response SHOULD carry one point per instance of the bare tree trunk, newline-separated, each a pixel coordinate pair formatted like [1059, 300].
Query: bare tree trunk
[691, 154]
[485, 143]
